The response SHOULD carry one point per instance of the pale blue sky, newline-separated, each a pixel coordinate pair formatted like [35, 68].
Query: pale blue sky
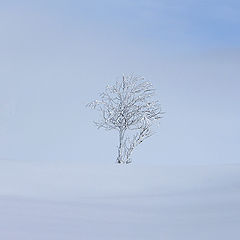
[57, 55]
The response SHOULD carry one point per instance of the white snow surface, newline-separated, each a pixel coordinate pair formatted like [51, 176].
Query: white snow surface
[71, 201]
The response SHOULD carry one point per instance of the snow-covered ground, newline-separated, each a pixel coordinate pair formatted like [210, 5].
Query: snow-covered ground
[70, 201]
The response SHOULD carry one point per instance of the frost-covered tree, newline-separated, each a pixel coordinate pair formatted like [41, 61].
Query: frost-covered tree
[128, 107]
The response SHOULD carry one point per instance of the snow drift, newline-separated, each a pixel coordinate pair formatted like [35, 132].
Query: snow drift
[66, 201]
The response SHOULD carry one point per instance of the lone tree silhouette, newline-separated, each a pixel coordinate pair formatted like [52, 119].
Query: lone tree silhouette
[128, 107]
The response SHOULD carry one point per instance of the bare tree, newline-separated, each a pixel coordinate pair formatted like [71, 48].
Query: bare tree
[128, 107]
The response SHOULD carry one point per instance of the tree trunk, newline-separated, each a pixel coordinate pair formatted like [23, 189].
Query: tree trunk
[120, 158]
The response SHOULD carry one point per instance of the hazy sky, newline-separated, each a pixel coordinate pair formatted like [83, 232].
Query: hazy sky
[56, 56]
